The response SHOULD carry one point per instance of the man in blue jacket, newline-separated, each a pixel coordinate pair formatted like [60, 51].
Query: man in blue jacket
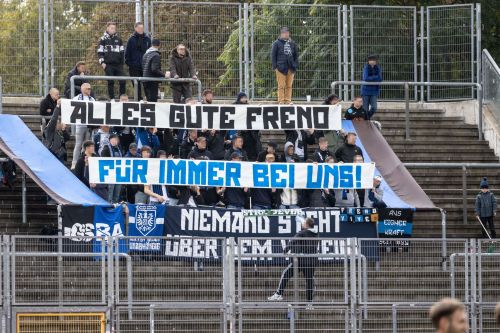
[285, 60]
[371, 73]
[137, 45]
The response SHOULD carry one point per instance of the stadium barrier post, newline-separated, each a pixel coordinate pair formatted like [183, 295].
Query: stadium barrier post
[295, 261]
[225, 285]
[152, 318]
[291, 316]
[232, 286]
[443, 238]
[464, 194]
[6, 281]
[394, 318]
[352, 265]
[473, 288]
[407, 111]
[23, 198]
[245, 48]
[136, 90]
[59, 269]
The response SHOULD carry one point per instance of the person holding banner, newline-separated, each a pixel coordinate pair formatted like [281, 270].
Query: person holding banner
[300, 140]
[305, 242]
[234, 197]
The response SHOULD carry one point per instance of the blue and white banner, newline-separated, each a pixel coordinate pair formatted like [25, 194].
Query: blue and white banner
[230, 174]
[395, 223]
[145, 220]
[203, 116]
[109, 222]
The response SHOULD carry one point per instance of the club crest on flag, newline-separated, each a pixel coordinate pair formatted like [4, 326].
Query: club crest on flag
[145, 219]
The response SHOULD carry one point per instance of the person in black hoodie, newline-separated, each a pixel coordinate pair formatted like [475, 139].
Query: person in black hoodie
[110, 53]
[305, 242]
[181, 66]
[251, 139]
[322, 153]
[356, 110]
[216, 142]
[200, 150]
[348, 150]
[137, 45]
[188, 143]
[79, 70]
[151, 67]
[300, 139]
[48, 105]
[55, 135]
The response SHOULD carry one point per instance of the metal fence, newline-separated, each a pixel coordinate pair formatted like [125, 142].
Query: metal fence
[491, 84]
[230, 43]
[360, 285]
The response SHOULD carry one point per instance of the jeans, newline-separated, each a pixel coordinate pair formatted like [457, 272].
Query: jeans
[114, 192]
[81, 134]
[370, 105]
[285, 82]
[151, 91]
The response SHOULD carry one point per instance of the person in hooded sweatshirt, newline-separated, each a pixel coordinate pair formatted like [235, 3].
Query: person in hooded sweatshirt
[348, 150]
[356, 111]
[251, 139]
[285, 61]
[322, 153]
[301, 139]
[486, 207]
[151, 67]
[289, 153]
[181, 67]
[110, 53]
[137, 45]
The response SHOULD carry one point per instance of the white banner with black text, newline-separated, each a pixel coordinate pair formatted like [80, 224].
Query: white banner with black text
[202, 116]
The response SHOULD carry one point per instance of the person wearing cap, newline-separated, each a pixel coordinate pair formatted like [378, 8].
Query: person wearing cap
[374, 197]
[371, 73]
[151, 67]
[181, 67]
[285, 61]
[132, 151]
[486, 207]
[271, 149]
[137, 45]
[112, 149]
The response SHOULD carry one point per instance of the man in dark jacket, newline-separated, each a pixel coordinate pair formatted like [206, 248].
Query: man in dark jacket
[237, 146]
[181, 66]
[188, 143]
[285, 60]
[486, 207]
[305, 242]
[56, 136]
[151, 67]
[348, 150]
[112, 149]
[110, 53]
[322, 153]
[356, 111]
[300, 139]
[48, 105]
[200, 150]
[79, 70]
[216, 141]
[234, 197]
[137, 45]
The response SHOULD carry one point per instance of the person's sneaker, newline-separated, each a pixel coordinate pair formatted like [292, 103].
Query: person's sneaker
[377, 124]
[309, 306]
[275, 297]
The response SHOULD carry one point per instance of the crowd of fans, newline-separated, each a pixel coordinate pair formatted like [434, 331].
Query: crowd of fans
[144, 59]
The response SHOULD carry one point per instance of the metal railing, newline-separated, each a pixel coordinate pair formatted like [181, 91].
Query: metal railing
[1, 95]
[464, 167]
[135, 80]
[365, 277]
[407, 86]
